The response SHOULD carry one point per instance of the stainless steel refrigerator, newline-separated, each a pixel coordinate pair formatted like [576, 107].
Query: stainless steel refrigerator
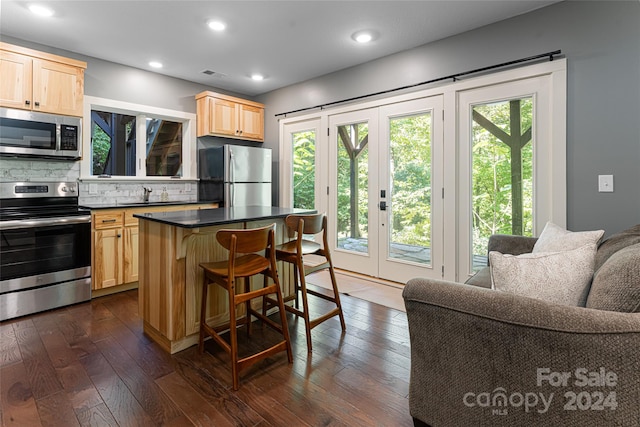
[235, 175]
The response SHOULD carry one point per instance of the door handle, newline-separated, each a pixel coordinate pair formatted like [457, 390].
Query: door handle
[383, 206]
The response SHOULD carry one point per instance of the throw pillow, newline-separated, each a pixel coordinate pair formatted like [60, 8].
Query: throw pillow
[556, 239]
[559, 277]
[616, 285]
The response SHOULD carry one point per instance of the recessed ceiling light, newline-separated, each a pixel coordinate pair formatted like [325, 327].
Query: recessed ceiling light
[40, 10]
[155, 64]
[257, 77]
[363, 36]
[217, 25]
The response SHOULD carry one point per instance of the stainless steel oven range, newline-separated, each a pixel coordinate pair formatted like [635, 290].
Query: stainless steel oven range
[45, 247]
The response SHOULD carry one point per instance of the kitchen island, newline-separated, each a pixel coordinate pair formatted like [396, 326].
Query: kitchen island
[171, 247]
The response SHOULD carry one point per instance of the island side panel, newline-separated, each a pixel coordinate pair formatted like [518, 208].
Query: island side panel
[170, 280]
[161, 280]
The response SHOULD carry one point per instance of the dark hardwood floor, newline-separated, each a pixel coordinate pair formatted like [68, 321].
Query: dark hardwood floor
[91, 365]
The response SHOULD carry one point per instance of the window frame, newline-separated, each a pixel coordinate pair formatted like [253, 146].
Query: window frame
[141, 112]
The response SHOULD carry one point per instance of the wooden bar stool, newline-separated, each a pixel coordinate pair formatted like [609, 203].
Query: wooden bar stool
[294, 252]
[226, 274]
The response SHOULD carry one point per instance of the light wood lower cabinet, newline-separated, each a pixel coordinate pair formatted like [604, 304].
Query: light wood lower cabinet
[107, 249]
[107, 266]
[130, 257]
[115, 246]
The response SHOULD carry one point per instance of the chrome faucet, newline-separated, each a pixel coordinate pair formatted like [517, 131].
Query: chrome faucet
[147, 191]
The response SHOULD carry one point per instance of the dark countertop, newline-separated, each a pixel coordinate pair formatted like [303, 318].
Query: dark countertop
[220, 216]
[97, 206]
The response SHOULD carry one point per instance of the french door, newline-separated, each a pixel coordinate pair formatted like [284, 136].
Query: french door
[410, 227]
[511, 156]
[301, 154]
[353, 190]
[382, 171]
[385, 171]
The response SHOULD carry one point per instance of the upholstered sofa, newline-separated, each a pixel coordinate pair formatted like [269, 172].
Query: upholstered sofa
[482, 357]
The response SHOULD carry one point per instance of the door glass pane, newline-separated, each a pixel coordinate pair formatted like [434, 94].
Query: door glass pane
[304, 169]
[410, 173]
[502, 172]
[164, 148]
[353, 184]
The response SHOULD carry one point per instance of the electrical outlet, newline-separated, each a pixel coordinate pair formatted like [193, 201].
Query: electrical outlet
[605, 183]
[93, 188]
[187, 187]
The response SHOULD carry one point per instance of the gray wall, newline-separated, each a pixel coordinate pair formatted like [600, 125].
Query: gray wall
[601, 41]
[114, 81]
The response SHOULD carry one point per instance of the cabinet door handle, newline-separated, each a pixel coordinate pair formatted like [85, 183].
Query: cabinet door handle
[109, 220]
[27, 102]
[119, 235]
[37, 104]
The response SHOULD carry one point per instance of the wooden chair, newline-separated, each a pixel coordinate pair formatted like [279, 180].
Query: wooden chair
[226, 274]
[294, 252]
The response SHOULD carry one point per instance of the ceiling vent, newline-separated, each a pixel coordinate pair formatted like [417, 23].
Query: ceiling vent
[212, 73]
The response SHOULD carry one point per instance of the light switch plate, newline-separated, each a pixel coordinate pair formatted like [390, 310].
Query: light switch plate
[605, 183]
[93, 188]
[187, 187]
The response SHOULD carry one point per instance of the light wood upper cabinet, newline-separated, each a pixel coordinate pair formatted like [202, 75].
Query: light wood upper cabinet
[15, 85]
[227, 116]
[251, 122]
[38, 81]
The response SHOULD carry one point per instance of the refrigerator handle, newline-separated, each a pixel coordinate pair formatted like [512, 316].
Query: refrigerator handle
[231, 179]
[231, 168]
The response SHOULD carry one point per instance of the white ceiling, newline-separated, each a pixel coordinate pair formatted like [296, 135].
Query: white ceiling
[287, 41]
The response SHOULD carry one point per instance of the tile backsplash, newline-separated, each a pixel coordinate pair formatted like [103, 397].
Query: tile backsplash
[37, 170]
[109, 191]
[119, 192]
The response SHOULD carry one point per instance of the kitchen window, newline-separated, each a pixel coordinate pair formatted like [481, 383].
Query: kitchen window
[124, 140]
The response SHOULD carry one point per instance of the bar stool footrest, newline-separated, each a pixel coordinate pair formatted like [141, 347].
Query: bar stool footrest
[266, 320]
[320, 295]
[254, 358]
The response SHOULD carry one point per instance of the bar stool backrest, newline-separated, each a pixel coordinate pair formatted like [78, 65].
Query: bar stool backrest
[247, 241]
[313, 224]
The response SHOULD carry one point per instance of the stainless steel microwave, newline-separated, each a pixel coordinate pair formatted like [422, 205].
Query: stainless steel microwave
[39, 135]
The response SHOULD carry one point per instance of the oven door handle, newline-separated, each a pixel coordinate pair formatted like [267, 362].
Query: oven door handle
[44, 222]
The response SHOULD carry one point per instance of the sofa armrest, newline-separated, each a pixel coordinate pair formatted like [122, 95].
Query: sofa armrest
[470, 346]
[514, 245]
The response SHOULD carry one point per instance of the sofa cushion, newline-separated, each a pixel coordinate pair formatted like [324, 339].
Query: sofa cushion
[482, 278]
[616, 242]
[616, 285]
[555, 239]
[559, 277]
